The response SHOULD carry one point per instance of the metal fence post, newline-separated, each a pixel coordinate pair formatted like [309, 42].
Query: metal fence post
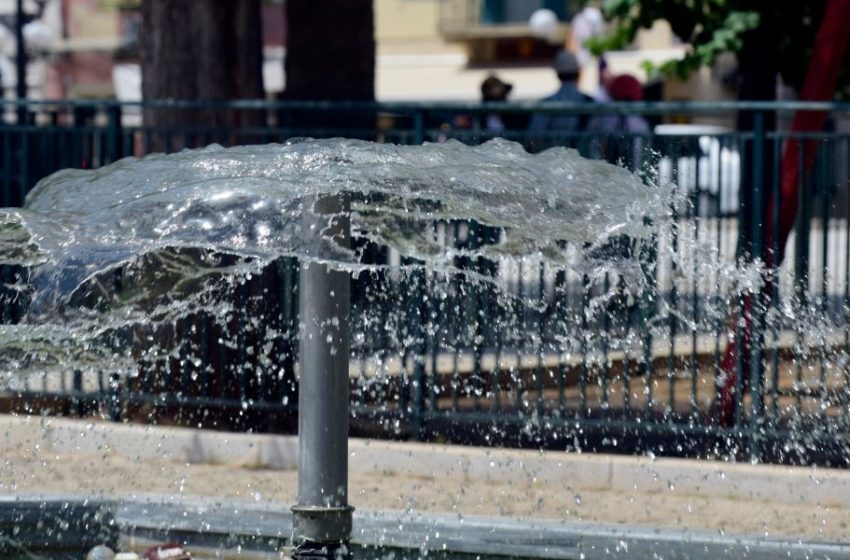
[77, 388]
[756, 307]
[288, 270]
[113, 133]
[647, 306]
[418, 127]
[804, 224]
[114, 397]
[23, 153]
[322, 516]
[417, 397]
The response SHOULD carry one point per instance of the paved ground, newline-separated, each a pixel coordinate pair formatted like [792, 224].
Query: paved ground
[93, 459]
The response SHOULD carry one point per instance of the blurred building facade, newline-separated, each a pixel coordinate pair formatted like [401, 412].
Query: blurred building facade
[426, 50]
[443, 49]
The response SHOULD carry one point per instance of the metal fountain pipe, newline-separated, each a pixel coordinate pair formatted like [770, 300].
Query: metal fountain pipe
[322, 516]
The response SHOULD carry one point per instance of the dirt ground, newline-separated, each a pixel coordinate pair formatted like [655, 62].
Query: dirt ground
[24, 471]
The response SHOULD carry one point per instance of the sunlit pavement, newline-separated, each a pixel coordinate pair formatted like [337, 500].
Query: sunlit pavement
[43, 456]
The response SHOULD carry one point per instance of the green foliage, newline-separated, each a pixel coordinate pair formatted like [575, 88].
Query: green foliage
[713, 27]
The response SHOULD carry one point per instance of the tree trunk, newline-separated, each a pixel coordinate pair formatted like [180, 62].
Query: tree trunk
[330, 51]
[211, 50]
[204, 50]
[330, 56]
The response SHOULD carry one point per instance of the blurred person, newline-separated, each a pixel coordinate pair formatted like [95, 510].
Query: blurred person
[620, 137]
[567, 68]
[494, 90]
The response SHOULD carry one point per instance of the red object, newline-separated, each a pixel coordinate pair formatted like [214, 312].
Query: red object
[625, 87]
[727, 382]
[821, 78]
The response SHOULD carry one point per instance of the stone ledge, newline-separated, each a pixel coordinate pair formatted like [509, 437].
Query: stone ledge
[238, 529]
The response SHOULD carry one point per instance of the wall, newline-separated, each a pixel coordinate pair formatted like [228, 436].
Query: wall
[409, 26]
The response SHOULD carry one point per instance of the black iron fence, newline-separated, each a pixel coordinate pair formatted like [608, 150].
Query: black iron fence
[711, 361]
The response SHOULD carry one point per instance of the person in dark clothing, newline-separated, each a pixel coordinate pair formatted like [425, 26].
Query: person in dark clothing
[494, 90]
[560, 129]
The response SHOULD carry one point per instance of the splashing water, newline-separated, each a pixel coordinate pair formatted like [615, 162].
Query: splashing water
[175, 227]
[104, 258]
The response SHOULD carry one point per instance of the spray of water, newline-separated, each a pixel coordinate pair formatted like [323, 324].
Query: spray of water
[152, 239]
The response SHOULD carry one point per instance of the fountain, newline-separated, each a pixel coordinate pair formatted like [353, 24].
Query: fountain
[211, 218]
